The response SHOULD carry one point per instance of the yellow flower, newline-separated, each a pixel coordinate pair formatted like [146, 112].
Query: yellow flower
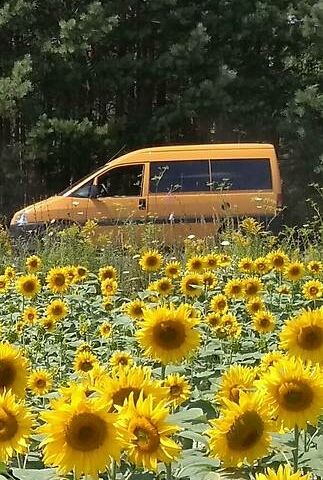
[57, 310]
[212, 261]
[195, 264]
[168, 334]
[224, 260]
[213, 319]
[209, 279]
[251, 226]
[151, 261]
[246, 265]
[13, 370]
[80, 436]
[30, 315]
[192, 285]
[294, 391]
[150, 433]
[81, 273]
[178, 389]
[48, 324]
[28, 285]
[40, 382]
[4, 284]
[105, 330]
[229, 327]
[269, 359]
[173, 269]
[234, 288]
[33, 263]
[235, 379]
[109, 287]
[16, 423]
[20, 327]
[262, 265]
[312, 290]
[278, 259]
[315, 267]
[254, 305]
[107, 272]
[252, 287]
[219, 303]
[263, 321]
[242, 433]
[57, 280]
[283, 289]
[284, 472]
[164, 286]
[135, 309]
[120, 359]
[10, 272]
[302, 335]
[84, 362]
[294, 271]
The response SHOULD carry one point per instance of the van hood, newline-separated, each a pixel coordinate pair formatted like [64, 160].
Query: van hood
[37, 212]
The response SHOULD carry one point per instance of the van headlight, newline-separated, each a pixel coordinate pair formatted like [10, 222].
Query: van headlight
[22, 219]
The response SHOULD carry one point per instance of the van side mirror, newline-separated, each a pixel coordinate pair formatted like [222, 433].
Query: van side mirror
[94, 191]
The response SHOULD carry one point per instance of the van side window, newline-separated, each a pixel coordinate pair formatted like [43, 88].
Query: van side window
[122, 182]
[82, 192]
[241, 174]
[184, 176]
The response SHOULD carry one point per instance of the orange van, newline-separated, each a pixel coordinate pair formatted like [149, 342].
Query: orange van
[184, 189]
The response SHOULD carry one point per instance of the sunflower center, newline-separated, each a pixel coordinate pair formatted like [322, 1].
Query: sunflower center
[151, 261]
[251, 289]
[86, 366]
[310, 337]
[295, 395]
[57, 310]
[7, 374]
[2, 284]
[264, 322]
[169, 335]
[278, 262]
[234, 394]
[221, 304]
[123, 393]
[8, 425]
[175, 391]
[147, 437]
[314, 291]
[40, 383]
[81, 272]
[29, 286]
[245, 432]
[59, 280]
[137, 310]
[86, 432]
[30, 316]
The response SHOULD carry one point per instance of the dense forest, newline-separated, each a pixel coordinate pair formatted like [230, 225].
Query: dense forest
[82, 80]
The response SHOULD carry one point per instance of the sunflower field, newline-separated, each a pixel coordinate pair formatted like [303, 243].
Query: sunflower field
[137, 362]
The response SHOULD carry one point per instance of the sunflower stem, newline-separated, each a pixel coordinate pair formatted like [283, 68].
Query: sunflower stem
[296, 449]
[114, 470]
[169, 475]
[163, 372]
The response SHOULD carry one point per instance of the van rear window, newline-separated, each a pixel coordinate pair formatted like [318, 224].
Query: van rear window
[184, 176]
[244, 174]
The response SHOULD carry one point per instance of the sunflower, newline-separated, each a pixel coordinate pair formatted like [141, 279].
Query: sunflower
[219, 303]
[151, 261]
[48, 324]
[130, 380]
[164, 286]
[312, 290]
[173, 269]
[213, 319]
[168, 334]
[236, 379]
[294, 391]
[80, 436]
[71, 273]
[229, 327]
[58, 280]
[135, 309]
[107, 271]
[20, 327]
[28, 285]
[192, 285]
[83, 347]
[212, 261]
[233, 288]
[178, 389]
[81, 273]
[121, 359]
[109, 287]
[315, 267]
[278, 260]
[294, 271]
[250, 226]
[284, 472]
[224, 260]
[246, 265]
[4, 284]
[30, 315]
[105, 330]
[209, 279]
[283, 289]
[252, 287]
[263, 321]
[150, 433]
[269, 359]
[262, 265]
[40, 382]
[255, 305]
[302, 335]
[84, 362]
[33, 263]
[13, 370]
[195, 264]
[10, 272]
[242, 433]
[57, 310]
[15, 426]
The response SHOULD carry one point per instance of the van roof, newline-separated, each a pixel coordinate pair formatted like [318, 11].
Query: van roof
[213, 146]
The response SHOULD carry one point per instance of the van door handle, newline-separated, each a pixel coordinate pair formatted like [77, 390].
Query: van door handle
[142, 204]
